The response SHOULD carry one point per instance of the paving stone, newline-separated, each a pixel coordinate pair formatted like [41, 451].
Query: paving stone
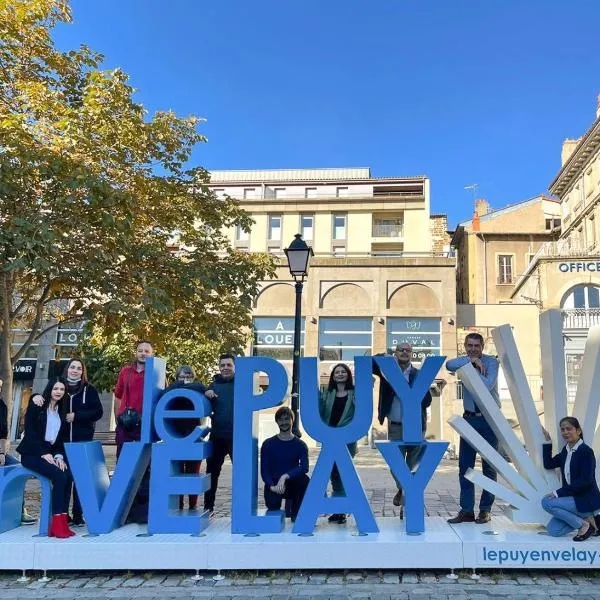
[392, 578]
[410, 577]
[133, 582]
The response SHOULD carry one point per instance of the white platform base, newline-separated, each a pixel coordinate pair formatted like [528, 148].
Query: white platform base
[331, 547]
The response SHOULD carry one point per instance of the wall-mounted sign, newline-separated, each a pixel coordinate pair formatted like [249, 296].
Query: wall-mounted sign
[580, 267]
[24, 369]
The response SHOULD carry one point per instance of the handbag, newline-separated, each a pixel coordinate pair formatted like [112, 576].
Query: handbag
[130, 419]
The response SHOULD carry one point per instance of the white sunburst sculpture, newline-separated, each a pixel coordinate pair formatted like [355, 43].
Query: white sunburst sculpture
[526, 480]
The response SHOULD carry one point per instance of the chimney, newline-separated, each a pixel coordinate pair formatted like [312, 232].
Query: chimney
[482, 207]
[568, 148]
[476, 223]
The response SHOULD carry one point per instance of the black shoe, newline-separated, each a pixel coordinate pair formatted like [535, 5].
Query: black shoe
[397, 501]
[584, 536]
[341, 520]
[483, 517]
[78, 521]
[462, 517]
[335, 518]
[402, 513]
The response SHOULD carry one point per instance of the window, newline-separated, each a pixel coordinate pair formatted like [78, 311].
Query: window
[279, 192]
[275, 227]
[249, 193]
[530, 256]
[274, 337]
[343, 338]
[219, 192]
[387, 227]
[339, 227]
[583, 296]
[505, 268]
[552, 223]
[342, 192]
[592, 231]
[307, 225]
[241, 235]
[424, 335]
[310, 192]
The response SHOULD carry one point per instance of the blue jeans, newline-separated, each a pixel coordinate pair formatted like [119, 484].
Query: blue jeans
[466, 460]
[565, 517]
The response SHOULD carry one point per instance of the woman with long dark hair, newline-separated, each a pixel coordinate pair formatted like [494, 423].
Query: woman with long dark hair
[337, 409]
[42, 450]
[573, 504]
[83, 410]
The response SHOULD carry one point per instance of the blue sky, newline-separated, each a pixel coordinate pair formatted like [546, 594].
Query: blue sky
[464, 91]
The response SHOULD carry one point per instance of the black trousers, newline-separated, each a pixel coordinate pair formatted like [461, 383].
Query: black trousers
[61, 481]
[221, 447]
[295, 489]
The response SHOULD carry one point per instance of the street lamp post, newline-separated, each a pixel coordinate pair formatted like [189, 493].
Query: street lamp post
[298, 256]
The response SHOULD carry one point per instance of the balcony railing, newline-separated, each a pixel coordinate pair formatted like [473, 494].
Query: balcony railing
[580, 318]
[388, 230]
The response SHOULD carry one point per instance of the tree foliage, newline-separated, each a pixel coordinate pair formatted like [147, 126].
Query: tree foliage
[101, 217]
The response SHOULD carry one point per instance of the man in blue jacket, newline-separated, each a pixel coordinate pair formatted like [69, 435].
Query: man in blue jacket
[220, 395]
[487, 367]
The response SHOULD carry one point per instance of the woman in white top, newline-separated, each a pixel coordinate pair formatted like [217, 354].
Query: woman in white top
[573, 504]
[42, 450]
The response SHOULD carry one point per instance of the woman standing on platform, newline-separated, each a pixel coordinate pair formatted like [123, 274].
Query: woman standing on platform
[573, 504]
[84, 408]
[42, 450]
[337, 409]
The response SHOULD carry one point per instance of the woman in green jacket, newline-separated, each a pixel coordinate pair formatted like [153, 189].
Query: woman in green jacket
[337, 409]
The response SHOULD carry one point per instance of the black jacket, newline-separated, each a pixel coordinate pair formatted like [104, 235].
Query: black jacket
[33, 442]
[583, 487]
[86, 405]
[386, 395]
[3, 420]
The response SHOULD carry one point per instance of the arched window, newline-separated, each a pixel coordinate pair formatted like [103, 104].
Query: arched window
[582, 296]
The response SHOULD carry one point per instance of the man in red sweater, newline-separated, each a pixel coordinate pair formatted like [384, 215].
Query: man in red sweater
[129, 396]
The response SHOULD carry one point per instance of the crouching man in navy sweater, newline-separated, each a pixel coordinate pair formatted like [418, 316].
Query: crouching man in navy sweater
[284, 466]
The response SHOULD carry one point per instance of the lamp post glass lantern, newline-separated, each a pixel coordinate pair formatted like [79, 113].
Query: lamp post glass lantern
[298, 256]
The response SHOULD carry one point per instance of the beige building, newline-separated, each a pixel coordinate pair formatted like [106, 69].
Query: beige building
[493, 249]
[496, 246]
[381, 273]
[565, 274]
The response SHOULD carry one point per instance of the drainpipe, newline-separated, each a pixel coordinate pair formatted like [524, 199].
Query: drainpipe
[485, 270]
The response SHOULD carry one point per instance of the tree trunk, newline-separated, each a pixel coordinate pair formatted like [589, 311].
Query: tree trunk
[6, 366]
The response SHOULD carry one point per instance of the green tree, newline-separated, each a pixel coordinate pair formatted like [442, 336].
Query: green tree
[101, 219]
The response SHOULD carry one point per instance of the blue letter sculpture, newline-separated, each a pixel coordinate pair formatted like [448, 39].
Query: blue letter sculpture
[334, 451]
[431, 453]
[245, 442]
[106, 502]
[166, 482]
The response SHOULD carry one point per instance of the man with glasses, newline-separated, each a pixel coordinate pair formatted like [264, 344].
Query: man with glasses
[390, 407]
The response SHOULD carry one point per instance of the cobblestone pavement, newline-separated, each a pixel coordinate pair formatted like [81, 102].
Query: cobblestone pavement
[333, 585]
[441, 500]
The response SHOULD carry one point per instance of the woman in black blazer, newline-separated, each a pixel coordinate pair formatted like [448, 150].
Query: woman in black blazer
[83, 409]
[573, 504]
[42, 450]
